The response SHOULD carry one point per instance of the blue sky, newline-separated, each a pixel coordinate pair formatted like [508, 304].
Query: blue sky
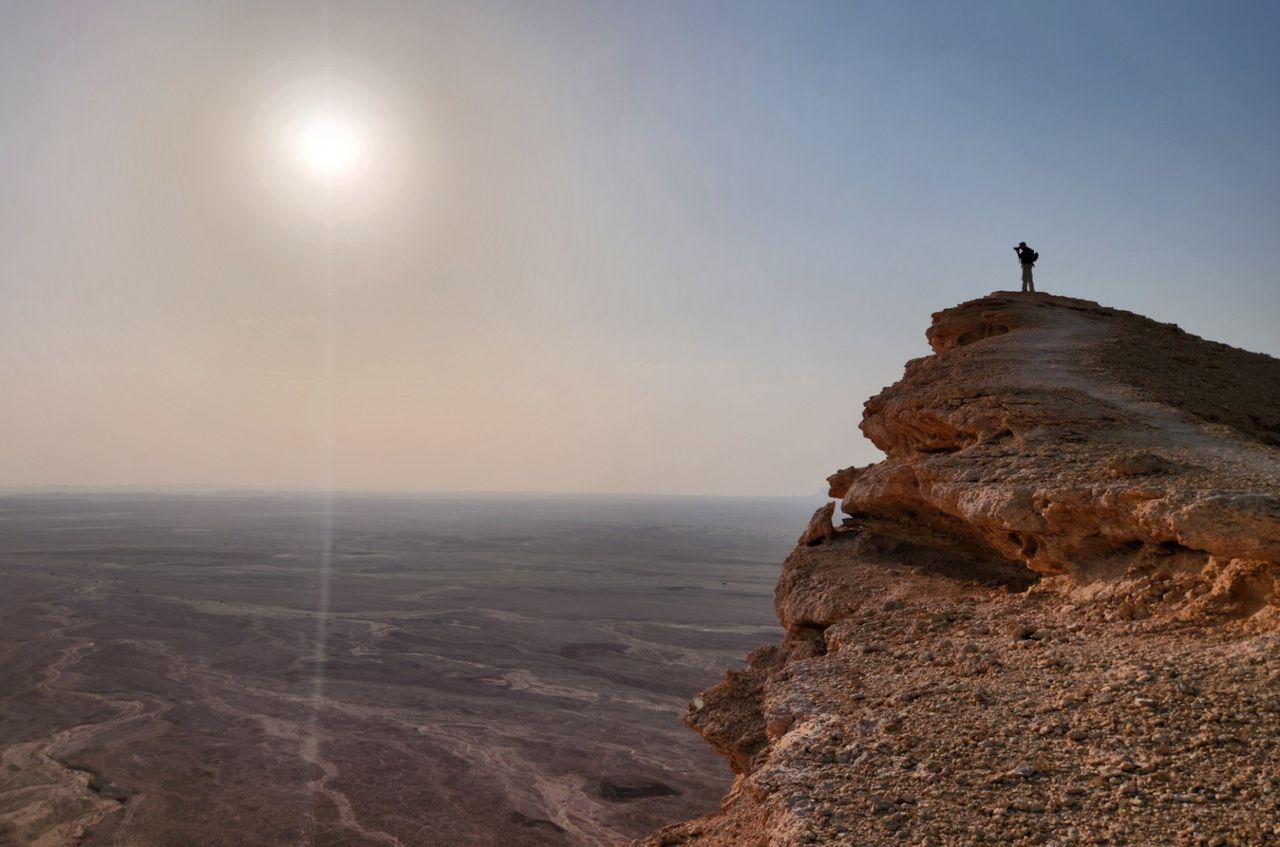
[662, 247]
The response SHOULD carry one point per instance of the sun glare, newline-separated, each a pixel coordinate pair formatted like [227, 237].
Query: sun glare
[331, 149]
[325, 148]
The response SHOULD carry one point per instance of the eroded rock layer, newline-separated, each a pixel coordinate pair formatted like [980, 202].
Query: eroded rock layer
[1047, 617]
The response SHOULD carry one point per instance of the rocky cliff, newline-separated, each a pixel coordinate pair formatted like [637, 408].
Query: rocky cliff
[1049, 616]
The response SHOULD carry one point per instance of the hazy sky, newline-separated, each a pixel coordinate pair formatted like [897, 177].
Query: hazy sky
[596, 246]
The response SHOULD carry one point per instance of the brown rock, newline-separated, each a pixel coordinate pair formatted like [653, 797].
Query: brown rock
[1023, 430]
[819, 528]
[838, 483]
[1137, 464]
[729, 715]
[1071, 549]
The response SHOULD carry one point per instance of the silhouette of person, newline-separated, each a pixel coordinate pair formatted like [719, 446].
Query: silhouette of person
[1027, 257]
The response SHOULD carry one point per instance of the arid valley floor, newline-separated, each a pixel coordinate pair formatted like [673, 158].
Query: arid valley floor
[270, 669]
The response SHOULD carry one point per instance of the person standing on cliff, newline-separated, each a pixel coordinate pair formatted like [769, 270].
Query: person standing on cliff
[1027, 257]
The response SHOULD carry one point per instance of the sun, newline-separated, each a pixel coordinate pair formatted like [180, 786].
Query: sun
[330, 148]
[326, 148]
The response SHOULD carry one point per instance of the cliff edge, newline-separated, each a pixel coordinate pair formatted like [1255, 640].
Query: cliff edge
[1049, 616]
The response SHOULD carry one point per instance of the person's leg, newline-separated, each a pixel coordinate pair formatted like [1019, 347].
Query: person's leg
[1026, 278]
[1031, 283]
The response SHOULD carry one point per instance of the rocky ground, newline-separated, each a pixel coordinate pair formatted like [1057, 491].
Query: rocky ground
[1050, 615]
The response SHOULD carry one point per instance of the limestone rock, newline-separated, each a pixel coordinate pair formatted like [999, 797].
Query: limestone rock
[1050, 615]
[1137, 464]
[1031, 422]
[729, 715]
[838, 483]
[819, 528]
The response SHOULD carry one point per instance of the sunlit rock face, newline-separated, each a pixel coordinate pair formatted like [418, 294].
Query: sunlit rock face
[1036, 612]
[1078, 439]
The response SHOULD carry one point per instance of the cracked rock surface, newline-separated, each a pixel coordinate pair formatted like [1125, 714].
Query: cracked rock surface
[1049, 616]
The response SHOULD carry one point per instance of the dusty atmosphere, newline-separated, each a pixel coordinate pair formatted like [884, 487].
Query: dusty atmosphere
[1050, 616]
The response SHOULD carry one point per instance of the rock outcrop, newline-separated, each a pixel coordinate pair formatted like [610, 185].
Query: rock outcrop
[1049, 616]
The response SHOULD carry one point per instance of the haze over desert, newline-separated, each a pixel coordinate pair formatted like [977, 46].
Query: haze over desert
[588, 423]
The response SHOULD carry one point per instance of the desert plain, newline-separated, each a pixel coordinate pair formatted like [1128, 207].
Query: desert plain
[250, 669]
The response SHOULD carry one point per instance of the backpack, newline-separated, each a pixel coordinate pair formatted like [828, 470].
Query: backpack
[1032, 257]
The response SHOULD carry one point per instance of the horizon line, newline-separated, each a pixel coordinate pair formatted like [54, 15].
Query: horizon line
[243, 490]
